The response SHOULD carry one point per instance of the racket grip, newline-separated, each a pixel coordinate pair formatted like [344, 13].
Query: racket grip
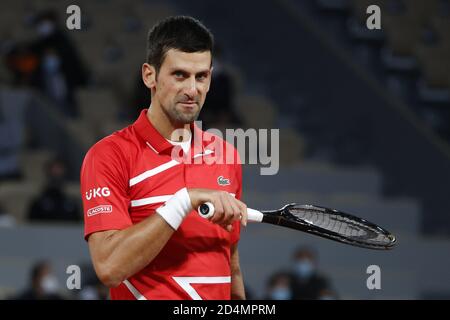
[206, 210]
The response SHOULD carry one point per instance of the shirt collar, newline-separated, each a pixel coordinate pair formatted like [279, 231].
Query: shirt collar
[156, 141]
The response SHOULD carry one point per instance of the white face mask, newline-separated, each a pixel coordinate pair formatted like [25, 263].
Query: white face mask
[45, 28]
[304, 268]
[281, 293]
[49, 284]
[52, 63]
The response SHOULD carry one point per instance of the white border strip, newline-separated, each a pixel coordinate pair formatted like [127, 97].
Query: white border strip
[134, 291]
[150, 200]
[161, 168]
[152, 172]
[150, 146]
[185, 283]
[156, 199]
[207, 152]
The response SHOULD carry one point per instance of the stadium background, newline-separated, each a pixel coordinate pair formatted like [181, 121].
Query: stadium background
[363, 118]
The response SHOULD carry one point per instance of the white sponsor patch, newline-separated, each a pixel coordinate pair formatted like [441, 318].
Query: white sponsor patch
[99, 209]
[98, 192]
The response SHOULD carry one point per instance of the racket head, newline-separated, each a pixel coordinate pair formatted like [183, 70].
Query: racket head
[335, 225]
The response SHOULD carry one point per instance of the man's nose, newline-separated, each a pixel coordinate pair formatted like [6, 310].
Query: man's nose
[191, 88]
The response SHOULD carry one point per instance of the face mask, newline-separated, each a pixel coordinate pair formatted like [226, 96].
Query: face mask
[51, 63]
[281, 294]
[49, 284]
[304, 269]
[45, 28]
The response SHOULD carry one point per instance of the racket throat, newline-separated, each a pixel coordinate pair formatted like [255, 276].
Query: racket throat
[272, 219]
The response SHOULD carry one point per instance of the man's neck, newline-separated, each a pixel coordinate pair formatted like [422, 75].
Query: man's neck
[163, 125]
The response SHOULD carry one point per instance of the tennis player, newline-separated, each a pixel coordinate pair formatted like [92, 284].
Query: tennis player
[145, 237]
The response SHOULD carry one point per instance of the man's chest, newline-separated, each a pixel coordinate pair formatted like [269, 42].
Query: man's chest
[153, 182]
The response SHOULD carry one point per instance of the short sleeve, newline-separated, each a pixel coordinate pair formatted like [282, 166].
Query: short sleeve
[104, 189]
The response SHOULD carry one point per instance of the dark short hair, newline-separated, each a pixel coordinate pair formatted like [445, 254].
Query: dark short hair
[37, 268]
[274, 278]
[177, 32]
[303, 251]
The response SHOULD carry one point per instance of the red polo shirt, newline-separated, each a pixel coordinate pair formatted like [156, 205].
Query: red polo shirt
[126, 176]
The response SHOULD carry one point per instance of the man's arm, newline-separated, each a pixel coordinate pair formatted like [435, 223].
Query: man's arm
[119, 254]
[237, 282]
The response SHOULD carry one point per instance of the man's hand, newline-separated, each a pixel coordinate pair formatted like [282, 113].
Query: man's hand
[227, 208]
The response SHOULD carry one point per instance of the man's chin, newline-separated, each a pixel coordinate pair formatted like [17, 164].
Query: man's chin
[186, 118]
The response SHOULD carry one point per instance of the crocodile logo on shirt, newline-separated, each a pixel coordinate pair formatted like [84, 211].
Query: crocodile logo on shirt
[223, 181]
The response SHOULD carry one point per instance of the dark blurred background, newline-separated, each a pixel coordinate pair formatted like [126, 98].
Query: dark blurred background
[364, 119]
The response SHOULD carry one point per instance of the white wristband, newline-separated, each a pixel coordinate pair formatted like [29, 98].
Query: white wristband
[176, 208]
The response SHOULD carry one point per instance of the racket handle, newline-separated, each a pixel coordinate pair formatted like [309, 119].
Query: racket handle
[206, 210]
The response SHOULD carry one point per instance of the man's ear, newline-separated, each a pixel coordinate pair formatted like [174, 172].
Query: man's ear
[149, 76]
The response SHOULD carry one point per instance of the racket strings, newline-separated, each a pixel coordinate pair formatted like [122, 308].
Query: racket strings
[340, 224]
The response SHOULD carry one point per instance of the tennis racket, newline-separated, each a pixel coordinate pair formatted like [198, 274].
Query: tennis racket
[322, 222]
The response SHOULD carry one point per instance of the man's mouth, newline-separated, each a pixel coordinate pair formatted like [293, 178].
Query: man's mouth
[189, 104]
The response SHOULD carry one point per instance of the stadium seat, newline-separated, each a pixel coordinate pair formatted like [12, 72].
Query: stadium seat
[17, 196]
[420, 10]
[97, 108]
[292, 146]
[150, 14]
[256, 111]
[333, 5]
[434, 62]
[82, 132]
[442, 26]
[402, 34]
[33, 163]
[97, 104]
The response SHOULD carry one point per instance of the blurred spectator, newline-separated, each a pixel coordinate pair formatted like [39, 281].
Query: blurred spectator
[60, 70]
[23, 63]
[91, 287]
[280, 286]
[327, 294]
[6, 219]
[53, 81]
[218, 109]
[53, 203]
[94, 291]
[112, 52]
[308, 283]
[13, 105]
[44, 284]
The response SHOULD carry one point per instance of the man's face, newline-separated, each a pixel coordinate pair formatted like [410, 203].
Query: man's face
[182, 84]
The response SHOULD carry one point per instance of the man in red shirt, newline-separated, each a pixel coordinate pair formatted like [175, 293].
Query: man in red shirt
[145, 237]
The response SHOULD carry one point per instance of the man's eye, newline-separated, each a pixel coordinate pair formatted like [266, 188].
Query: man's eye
[179, 74]
[201, 77]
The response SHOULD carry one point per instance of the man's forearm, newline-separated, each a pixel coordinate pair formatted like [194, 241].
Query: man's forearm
[126, 252]
[237, 282]
[237, 286]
